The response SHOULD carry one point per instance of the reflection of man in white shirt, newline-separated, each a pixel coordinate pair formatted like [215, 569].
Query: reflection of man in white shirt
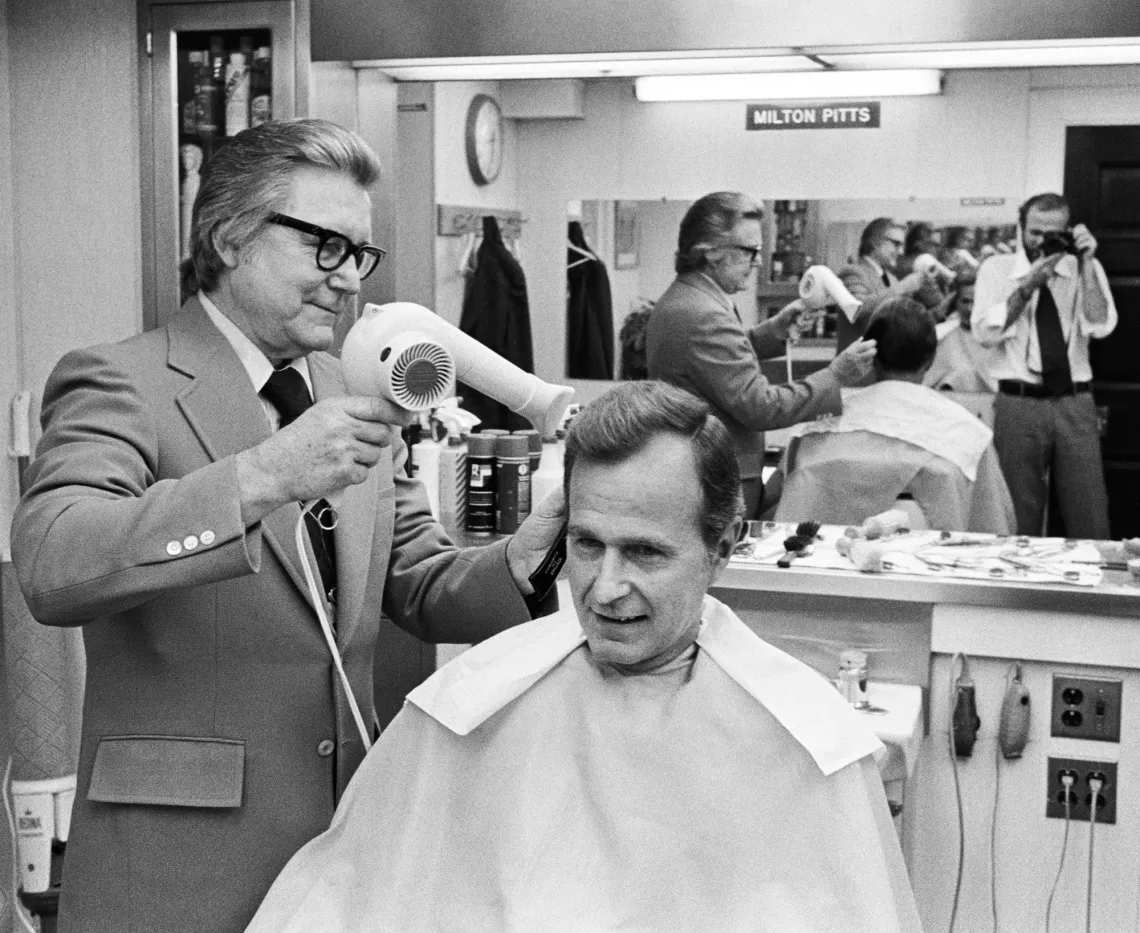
[1040, 307]
[641, 761]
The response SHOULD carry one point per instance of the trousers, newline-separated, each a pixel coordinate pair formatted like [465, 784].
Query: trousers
[1043, 440]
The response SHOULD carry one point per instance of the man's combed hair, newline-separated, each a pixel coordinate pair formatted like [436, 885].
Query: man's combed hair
[905, 335]
[707, 222]
[622, 422]
[874, 232]
[249, 178]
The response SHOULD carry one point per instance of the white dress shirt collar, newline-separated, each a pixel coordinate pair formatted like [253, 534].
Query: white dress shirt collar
[256, 363]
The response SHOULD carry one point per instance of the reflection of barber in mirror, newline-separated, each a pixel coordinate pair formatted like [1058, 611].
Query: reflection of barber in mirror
[639, 761]
[898, 437]
[1039, 308]
[871, 279]
[697, 340]
[920, 253]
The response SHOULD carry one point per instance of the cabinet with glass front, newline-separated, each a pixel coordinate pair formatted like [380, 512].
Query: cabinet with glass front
[208, 71]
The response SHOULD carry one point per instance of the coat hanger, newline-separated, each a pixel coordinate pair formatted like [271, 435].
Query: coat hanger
[467, 253]
[586, 255]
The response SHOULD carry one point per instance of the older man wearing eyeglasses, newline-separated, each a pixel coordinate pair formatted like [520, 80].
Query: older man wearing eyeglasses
[160, 516]
[696, 338]
[871, 278]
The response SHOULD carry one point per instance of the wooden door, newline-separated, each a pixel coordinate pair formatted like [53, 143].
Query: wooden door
[1102, 179]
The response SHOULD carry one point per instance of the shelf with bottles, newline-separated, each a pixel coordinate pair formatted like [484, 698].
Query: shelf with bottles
[793, 240]
[823, 326]
[224, 84]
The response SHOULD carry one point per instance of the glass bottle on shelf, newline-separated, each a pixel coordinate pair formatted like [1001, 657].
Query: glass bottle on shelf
[260, 88]
[237, 88]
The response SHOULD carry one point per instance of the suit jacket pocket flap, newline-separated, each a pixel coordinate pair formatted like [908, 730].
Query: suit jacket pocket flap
[173, 771]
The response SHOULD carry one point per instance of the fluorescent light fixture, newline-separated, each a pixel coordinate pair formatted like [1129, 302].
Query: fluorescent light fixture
[790, 86]
[1038, 56]
[582, 66]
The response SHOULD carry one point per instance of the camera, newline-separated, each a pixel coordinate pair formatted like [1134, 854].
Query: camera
[1060, 241]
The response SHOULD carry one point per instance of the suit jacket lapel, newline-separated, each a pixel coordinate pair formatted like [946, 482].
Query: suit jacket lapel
[226, 414]
[357, 522]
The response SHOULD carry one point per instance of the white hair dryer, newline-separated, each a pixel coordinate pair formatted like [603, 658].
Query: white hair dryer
[410, 356]
[926, 263]
[821, 287]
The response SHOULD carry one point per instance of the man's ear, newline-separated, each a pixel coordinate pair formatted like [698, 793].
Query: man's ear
[228, 253]
[725, 545]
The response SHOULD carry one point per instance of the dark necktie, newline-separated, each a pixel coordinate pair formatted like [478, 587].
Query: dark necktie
[287, 392]
[886, 279]
[1055, 372]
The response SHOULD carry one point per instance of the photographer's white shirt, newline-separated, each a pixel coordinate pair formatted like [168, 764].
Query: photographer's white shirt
[1016, 353]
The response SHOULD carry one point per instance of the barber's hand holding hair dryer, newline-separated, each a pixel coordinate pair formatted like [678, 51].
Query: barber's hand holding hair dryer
[405, 354]
[398, 359]
[821, 288]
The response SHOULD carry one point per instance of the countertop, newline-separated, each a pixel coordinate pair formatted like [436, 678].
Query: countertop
[1117, 594]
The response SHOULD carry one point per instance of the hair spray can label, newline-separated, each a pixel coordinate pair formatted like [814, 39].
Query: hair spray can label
[481, 494]
[513, 505]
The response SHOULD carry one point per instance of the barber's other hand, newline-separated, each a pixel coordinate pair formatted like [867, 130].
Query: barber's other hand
[536, 535]
[329, 447]
[855, 363]
[1084, 241]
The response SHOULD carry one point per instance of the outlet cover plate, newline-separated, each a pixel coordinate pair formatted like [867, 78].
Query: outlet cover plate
[1086, 708]
[1055, 805]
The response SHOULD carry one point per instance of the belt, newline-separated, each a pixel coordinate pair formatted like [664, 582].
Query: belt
[1032, 390]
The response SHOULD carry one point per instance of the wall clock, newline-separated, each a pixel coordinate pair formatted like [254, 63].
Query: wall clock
[484, 135]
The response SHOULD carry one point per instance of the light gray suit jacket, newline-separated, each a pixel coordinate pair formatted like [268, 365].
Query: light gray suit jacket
[216, 738]
[696, 340]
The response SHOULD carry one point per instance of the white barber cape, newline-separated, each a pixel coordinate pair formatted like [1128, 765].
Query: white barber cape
[895, 437]
[526, 789]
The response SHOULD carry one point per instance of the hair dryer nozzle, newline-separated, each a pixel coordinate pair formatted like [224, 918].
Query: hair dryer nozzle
[821, 287]
[924, 262]
[483, 369]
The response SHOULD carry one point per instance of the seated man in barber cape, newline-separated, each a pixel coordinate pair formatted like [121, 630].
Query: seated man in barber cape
[898, 437]
[640, 761]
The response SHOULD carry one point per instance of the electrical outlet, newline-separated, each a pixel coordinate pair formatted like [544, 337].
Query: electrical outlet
[1081, 794]
[1086, 708]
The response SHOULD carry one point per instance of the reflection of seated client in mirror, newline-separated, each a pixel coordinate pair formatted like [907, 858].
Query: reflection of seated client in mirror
[898, 436]
[697, 340]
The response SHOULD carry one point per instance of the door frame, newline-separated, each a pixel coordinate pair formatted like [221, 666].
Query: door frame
[1052, 110]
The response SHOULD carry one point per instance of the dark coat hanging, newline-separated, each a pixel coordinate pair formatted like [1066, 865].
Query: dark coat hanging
[496, 313]
[589, 312]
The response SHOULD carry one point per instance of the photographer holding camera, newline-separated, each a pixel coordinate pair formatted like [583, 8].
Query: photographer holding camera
[1038, 309]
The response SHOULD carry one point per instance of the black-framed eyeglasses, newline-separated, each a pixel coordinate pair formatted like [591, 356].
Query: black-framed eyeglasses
[752, 251]
[333, 249]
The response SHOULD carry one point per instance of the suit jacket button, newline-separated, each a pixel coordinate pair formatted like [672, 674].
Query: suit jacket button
[190, 542]
[207, 538]
[174, 548]
[325, 748]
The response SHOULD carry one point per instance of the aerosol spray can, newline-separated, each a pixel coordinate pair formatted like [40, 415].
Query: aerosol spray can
[481, 484]
[512, 468]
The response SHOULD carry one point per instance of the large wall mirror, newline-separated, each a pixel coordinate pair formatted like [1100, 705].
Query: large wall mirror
[634, 242]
